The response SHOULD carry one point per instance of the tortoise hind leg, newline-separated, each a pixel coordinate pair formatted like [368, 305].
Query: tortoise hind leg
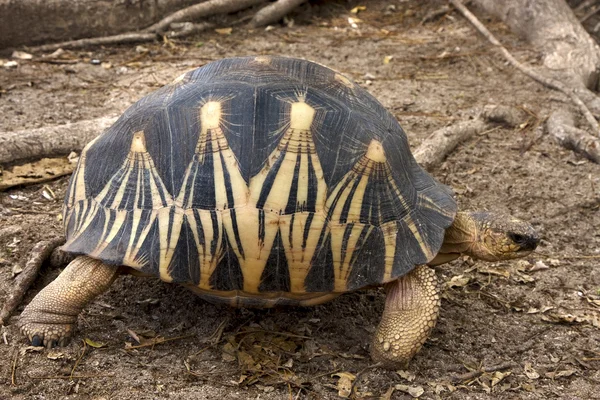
[411, 309]
[49, 319]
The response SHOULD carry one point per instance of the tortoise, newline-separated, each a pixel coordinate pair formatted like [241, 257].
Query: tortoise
[265, 181]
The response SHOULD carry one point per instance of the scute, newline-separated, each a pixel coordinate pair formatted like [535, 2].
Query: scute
[258, 175]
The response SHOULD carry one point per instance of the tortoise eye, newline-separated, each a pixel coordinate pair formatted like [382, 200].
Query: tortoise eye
[517, 238]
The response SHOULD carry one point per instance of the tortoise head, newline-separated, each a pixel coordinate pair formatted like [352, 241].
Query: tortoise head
[491, 237]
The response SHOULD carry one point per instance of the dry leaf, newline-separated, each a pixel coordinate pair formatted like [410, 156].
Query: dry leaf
[96, 345]
[224, 31]
[414, 391]
[358, 9]
[458, 281]
[55, 355]
[494, 271]
[35, 172]
[387, 59]
[344, 384]
[498, 376]
[409, 376]
[539, 265]
[530, 372]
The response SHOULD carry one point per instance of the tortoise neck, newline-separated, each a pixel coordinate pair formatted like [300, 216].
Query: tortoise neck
[461, 235]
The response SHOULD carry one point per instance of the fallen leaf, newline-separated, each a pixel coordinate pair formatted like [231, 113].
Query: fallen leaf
[560, 374]
[55, 355]
[458, 281]
[530, 372]
[344, 384]
[31, 349]
[358, 9]
[414, 391]
[224, 31]
[409, 376]
[498, 376]
[491, 270]
[539, 265]
[387, 59]
[96, 345]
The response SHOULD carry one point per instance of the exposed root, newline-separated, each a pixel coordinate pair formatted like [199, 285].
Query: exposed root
[442, 142]
[131, 37]
[205, 9]
[178, 24]
[50, 141]
[274, 12]
[548, 82]
[39, 254]
[561, 127]
[179, 31]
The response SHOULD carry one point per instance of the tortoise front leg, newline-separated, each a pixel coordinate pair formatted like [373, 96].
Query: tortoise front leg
[49, 319]
[411, 309]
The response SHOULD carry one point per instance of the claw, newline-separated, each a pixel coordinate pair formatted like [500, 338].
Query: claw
[36, 341]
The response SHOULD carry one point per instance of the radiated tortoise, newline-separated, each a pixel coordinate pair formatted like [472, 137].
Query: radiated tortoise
[264, 181]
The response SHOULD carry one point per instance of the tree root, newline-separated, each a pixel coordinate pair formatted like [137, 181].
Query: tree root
[561, 127]
[50, 141]
[182, 30]
[200, 10]
[23, 281]
[548, 82]
[274, 12]
[442, 142]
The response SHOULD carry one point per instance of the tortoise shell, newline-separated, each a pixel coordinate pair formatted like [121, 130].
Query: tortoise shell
[257, 176]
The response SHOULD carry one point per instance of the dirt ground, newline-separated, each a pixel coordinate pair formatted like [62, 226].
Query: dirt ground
[539, 316]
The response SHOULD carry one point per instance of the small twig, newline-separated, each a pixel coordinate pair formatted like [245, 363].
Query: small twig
[274, 12]
[40, 252]
[548, 82]
[476, 374]
[71, 377]
[359, 375]
[157, 341]
[13, 380]
[290, 335]
[430, 16]
[590, 14]
[78, 359]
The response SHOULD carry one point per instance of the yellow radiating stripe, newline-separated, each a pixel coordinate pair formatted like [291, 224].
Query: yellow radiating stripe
[122, 188]
[134, 248]
[255, 251]
[208, 262]
[355, 202]
[342, 266]
[108, 236]
[390, 233]
[424, 247]
[220, 188]
[168, 241]
[299, 258]
[302, 196]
